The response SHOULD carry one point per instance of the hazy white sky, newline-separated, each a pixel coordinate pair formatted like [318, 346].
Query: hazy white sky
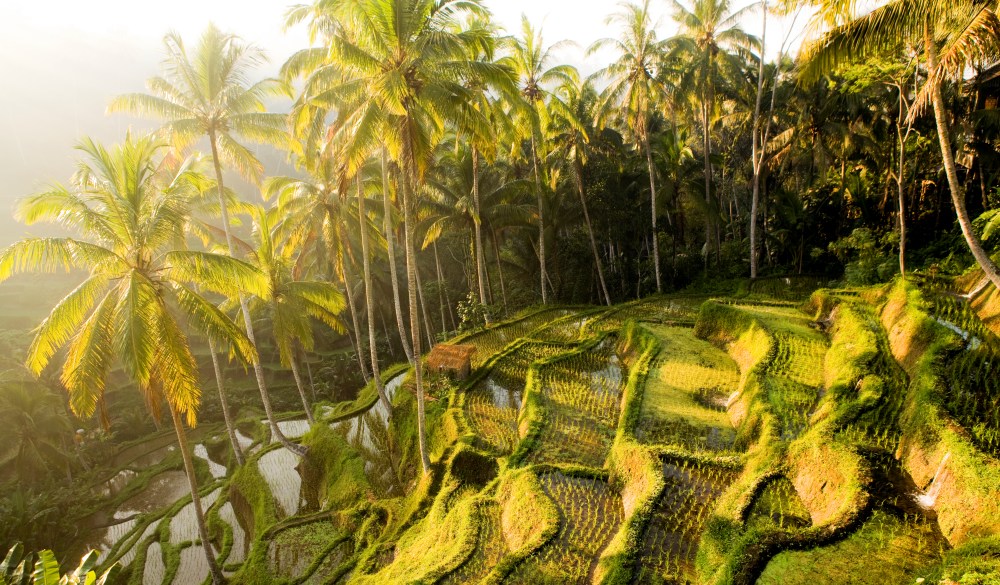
[62, 60]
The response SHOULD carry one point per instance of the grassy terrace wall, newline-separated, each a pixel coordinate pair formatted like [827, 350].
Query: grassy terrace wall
[967, 505]
[828, 474]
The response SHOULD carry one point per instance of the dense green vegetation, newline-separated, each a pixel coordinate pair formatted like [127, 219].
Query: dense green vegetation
[636, 408]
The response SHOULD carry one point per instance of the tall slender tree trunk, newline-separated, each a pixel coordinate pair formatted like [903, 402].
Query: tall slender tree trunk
[428, 330]
[757, 147]
[345, 273]
[707, 145]
[224, 401]
[900, 191]
[480, 260]
[369, 298]
[496, 252]
[199, 513]
[957, 193]
[590, 233]
[440, 287]
[652, 204]
[309, 372]
[301, 388]
[411, 283]
[245, 311]
[444, 287]
[544, 276]
[390, 236]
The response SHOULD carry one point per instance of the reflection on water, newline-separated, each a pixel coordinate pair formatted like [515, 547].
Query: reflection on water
[375, 439]
[503, 397]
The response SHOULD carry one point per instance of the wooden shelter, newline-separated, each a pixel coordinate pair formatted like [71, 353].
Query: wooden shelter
[455, 360]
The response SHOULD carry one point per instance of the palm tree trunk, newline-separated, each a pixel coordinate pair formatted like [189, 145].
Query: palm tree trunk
[901, 195]
[706, 143]
[224, 401]
[423, 310]
[302, 389]
[345, 273]
[496, 252]
[593, 241]
[309, 373]
[440, 287]
[391, 249]
[443, 286]
[245, 311]
[199, 513]
[757, 147]
[369, 298]
[480, 262]
[411, 282]
[957, 193]
[541, 220]
[652, 205]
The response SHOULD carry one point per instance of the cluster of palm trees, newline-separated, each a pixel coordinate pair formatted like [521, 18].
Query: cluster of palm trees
[419, 128]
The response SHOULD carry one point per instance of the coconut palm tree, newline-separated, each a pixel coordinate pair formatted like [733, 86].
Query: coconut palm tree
[129, 207]
[952, 35]
[483, 91]
[394, 71]
[571, 140]
[208, 95]
[633, 91]
[293, 303]
[710, 39]
[530, 58]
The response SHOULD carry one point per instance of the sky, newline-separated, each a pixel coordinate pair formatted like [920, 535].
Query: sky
[63, 60]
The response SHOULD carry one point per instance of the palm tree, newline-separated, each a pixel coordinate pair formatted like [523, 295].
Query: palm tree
[293, 303]
[529, 58]
[953, 35]
[363, 228]
[36, 429]
[130, 210]
[484, 142]
[208, 95]
[394, 71]
[633, 91]
[571, 140]
[709, 38]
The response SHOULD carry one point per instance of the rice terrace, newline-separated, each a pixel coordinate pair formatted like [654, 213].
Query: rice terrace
[422, 302]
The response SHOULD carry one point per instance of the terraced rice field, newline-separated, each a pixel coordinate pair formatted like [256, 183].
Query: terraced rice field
[778, 505]
[795, 377]
[671, 539]
[894, 542]
[684, 402]
[490, 547]
[494, 339]
[492, 405]
[582, 396]
[589, 514]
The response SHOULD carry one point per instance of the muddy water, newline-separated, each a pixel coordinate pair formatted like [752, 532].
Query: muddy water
[278, 468]
[184, 525]
[162, 491]
[238, 554]
[154, 571]
[217, 470]
[128, 557]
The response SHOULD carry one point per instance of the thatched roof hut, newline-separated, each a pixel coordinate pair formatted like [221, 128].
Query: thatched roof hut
[452, 359]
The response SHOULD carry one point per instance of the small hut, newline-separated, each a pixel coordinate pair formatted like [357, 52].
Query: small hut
[455, 360]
